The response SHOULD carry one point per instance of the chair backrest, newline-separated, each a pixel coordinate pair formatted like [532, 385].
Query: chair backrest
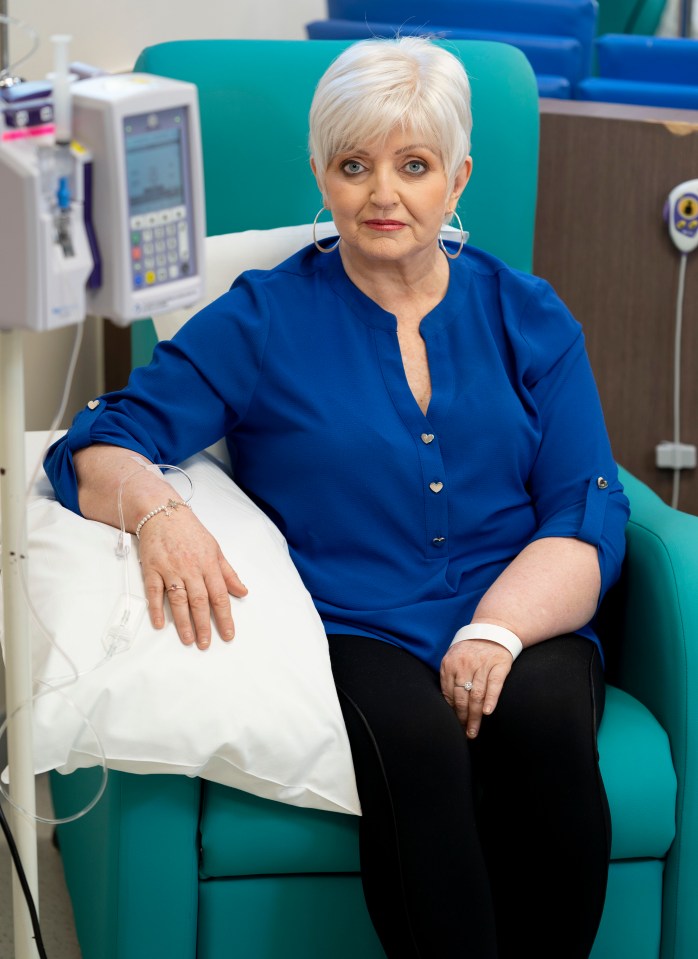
[555, 35]
[630, 16]
[649, 59]
[560, 17]
[254, 97]
[655, 71]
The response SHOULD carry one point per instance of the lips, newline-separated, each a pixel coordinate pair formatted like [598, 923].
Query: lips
[384, 225]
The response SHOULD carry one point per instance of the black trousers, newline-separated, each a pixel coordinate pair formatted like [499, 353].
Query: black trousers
[487, 849]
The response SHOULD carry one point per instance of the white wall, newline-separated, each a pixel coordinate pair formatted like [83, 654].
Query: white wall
[671, 20]
[112, 34]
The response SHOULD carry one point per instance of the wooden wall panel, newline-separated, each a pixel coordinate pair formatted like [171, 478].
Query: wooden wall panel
[605, 173]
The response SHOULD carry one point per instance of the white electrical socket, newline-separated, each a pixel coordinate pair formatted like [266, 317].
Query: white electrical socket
[675, 456]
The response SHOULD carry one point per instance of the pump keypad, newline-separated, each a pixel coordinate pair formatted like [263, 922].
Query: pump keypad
[160, 248]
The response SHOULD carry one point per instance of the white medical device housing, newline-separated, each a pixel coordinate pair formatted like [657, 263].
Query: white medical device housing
[148, 212]
[43, 286]
[682, 216]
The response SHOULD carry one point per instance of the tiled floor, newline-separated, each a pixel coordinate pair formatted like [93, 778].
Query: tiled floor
[56, 915]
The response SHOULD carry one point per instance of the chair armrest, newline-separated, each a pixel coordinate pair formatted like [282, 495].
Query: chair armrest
[659, 665]
[131, 863]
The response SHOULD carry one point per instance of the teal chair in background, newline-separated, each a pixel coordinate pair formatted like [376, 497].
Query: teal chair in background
[630, 16]
[166, 866]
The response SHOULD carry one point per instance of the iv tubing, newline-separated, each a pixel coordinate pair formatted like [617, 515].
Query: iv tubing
[7, 67]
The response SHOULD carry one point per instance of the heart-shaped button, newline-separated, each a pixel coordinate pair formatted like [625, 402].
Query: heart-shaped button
[436, 487]
[427, 438]
[93, 404]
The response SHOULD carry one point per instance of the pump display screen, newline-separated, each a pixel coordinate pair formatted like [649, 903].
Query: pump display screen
[154, 171]
[157, 178]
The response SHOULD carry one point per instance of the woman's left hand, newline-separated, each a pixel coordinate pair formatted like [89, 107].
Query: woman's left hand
[484, 664]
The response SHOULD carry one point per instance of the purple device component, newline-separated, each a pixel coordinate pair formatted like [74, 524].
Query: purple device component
[28, 90]
[689, 202]
[94, 280]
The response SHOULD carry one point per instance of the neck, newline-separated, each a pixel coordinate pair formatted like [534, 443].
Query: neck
[388, 282]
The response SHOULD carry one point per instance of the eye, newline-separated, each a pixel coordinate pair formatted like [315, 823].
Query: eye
[416, 167]
[352, 167]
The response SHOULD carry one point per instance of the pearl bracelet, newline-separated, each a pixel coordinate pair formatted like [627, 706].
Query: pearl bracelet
[497, 634]
[166, 508]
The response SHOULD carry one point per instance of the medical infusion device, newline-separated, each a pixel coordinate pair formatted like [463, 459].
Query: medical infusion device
[147, 196]
[103, 212]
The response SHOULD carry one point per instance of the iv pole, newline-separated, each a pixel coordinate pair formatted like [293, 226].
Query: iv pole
[18, 667]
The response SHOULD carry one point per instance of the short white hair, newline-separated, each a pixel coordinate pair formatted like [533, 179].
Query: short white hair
[376, 86]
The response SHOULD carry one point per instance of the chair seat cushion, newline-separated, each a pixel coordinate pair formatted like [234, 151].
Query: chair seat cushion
[243, 835]
[639, 776]
[558, 88]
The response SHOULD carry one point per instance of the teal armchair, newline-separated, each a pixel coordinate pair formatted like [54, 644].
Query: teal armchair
[177, 867]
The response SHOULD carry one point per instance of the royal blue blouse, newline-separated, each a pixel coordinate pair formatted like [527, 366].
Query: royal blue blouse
[397, 521]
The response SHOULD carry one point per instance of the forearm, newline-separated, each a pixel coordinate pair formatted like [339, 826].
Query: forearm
[551, 588]
[101, 469]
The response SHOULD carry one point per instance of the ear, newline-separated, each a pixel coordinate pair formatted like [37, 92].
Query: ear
[460, 181]
[318, 179]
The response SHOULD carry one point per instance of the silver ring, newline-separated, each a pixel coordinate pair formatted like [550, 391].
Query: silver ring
[466, 686]
[175, 586]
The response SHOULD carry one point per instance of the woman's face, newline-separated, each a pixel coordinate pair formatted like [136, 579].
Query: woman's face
[389, 201]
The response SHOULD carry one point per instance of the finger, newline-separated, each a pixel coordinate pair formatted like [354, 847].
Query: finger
[200, 611]
[484, 697]
[234, 584]
[461, 702]
[152, 582]
[219, 598]
[179, 606]
[495, 684]
[447, 679]
[476, 702]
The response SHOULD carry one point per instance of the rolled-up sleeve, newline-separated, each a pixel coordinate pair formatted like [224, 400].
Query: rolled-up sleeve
[574, 481]
[195, 391]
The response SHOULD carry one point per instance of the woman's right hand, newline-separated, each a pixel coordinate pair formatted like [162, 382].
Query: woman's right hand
[180, 559]
[176, 550]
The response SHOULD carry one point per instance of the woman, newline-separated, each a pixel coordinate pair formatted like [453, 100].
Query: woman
[422, 424]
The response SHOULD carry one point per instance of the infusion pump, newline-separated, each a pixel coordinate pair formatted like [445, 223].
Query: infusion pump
[111, 223]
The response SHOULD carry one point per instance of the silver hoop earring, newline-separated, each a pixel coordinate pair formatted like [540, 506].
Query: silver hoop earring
[323, 249]
[463, 238]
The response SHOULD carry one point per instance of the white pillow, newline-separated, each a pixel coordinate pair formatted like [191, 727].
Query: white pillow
[260, 713]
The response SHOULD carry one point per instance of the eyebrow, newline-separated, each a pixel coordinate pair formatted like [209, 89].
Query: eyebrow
[408, 149]
[416, 146]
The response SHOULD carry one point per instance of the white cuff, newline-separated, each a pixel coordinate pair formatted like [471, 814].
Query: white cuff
[498, 634]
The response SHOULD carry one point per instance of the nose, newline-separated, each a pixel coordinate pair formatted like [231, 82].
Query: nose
[384, 193]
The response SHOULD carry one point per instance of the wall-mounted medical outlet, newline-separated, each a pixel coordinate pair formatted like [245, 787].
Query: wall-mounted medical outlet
[675, 456]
